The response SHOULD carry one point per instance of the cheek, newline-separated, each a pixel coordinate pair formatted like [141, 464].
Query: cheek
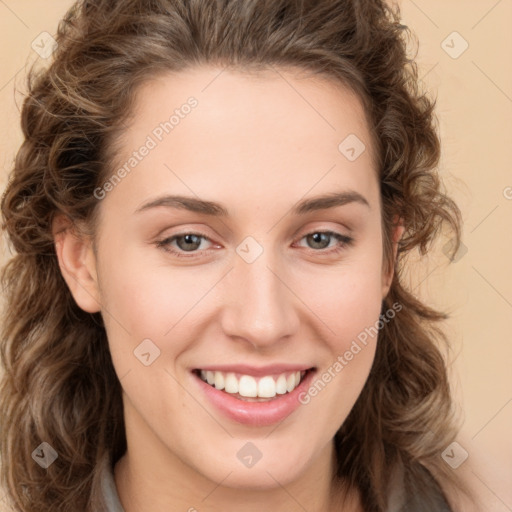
[143, 300]
[350, 312]
[346, 299]
[349, 304]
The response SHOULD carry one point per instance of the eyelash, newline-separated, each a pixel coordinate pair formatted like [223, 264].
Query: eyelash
[344, 241]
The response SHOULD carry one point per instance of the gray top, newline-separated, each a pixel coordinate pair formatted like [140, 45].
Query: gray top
[396, 502]
[108, 485]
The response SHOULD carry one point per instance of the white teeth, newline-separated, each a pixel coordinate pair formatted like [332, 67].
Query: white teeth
[250, 387]
[219, 380]
[247, 386]
[290, 382]
[281, 385]
[267, 387]
[231, 383]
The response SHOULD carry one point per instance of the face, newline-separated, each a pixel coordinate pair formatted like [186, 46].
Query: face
[259, 284]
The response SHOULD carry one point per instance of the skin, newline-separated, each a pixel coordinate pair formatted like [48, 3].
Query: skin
[258, 144]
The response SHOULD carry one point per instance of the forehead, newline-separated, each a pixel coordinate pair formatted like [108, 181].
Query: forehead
[252, 133]
[286, 97]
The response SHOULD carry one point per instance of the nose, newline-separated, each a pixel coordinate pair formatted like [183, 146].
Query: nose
[259, 308]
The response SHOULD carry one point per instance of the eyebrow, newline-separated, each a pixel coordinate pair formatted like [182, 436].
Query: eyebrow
[212, 208]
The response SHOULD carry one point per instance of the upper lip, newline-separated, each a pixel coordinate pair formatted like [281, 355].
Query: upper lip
[256, 371]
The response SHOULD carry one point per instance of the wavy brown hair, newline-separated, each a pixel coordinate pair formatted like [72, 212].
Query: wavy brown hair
[59, 384]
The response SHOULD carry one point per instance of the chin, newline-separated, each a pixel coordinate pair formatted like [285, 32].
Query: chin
[267, 473]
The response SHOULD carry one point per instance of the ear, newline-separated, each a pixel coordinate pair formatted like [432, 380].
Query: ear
[396, 235]
[77, 263]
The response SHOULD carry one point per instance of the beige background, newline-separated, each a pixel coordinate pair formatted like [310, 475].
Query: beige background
[474, 91]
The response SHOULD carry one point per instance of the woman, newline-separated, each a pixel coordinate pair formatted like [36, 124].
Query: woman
[205, 312]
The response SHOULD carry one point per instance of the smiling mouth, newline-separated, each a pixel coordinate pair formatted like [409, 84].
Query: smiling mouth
[253, 389]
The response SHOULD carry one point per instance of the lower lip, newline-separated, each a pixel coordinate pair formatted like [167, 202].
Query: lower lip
[256, 413]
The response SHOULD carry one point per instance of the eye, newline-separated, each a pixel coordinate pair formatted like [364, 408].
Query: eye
[186, 242]
[319, 240]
